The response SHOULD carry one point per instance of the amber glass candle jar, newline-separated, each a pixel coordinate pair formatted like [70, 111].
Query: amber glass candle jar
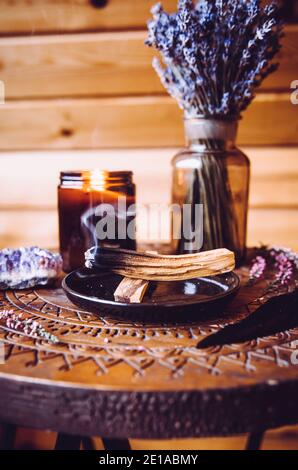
[95, 207]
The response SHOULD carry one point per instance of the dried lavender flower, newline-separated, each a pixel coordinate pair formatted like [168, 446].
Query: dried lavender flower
[17, 322]
[215, 53]
[285, 269]
[286, 263]
[257, 269]
[283, 260]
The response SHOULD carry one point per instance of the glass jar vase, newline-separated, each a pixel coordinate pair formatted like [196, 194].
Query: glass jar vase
[211, 174]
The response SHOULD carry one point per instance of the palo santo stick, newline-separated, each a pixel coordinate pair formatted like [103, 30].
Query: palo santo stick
[156, 267]
[131, 290]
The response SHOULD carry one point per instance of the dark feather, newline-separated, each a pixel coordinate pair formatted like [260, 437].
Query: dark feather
[280, 313]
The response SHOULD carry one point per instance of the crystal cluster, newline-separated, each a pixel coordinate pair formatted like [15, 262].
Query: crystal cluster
[28, 267]
[215, 53]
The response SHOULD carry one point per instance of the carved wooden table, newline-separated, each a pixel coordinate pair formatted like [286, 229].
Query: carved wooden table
[123, 380]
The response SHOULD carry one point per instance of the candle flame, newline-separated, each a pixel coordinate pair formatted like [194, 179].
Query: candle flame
[97, 179]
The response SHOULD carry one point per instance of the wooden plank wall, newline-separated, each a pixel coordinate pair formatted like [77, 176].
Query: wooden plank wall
[80, 92]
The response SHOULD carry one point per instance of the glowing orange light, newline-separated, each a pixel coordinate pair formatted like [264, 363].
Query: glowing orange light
[97, 179]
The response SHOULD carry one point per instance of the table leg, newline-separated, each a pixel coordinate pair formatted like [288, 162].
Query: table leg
[87, 443]
[254, 440]
[8, 435]
[116, 444]
[68, 442]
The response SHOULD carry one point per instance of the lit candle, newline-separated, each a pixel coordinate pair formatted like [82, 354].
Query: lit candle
[95, 207]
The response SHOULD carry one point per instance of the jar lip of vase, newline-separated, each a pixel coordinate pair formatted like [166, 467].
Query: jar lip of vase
[220, 118]
[198, 130]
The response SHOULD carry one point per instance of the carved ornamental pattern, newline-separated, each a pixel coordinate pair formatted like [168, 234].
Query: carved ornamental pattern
[120, 352]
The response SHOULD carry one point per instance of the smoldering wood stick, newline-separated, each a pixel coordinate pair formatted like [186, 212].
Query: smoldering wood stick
[156, 267]
[127, 258]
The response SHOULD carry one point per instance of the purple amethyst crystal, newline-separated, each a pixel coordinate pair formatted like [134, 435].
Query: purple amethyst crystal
[22, 268]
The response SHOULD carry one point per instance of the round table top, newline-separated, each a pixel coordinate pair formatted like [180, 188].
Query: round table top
[114, 378]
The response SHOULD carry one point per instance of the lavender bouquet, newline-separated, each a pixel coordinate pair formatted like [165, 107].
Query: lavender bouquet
[214, 54]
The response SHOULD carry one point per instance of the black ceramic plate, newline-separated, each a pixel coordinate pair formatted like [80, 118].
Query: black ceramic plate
[93, 290]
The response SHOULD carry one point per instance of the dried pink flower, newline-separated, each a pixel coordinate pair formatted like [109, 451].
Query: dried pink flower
[16, 321]
[257, 269]
[285, 269]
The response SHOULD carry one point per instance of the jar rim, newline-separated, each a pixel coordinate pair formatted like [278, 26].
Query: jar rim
[88, 175]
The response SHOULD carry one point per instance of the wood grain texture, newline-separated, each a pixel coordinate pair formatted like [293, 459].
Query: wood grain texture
[28, 198]
[275, 226]
[38, 16]
[28, 228]
[274, 178]
[274, 175]
[78, 65]
[101, 64]
[131, 290]
[132, 122]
